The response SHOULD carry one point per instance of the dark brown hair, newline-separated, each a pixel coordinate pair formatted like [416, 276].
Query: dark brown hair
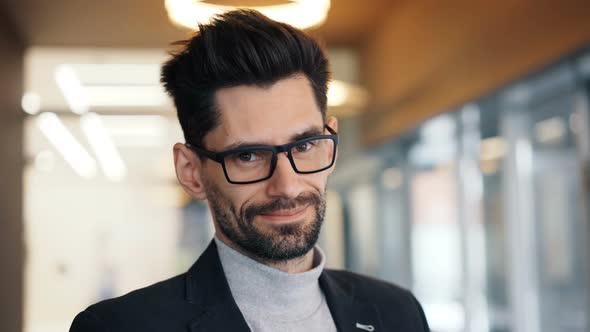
[241, 47]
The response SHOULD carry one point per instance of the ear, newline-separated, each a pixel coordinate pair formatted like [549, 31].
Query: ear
[332, 122]
[188, 171]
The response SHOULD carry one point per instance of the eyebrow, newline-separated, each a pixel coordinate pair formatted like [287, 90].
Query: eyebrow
[315, 131]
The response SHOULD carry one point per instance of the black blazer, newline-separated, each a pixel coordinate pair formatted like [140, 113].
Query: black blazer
[200, 300]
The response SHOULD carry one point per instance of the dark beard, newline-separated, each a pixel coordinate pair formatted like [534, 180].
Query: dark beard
[280, 243]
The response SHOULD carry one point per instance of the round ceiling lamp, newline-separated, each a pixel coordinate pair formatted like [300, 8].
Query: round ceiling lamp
[298, 13]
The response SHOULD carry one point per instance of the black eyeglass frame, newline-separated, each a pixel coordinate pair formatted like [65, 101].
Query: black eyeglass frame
[276, 149]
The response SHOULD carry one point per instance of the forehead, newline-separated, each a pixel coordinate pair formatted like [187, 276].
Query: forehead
[268, 115]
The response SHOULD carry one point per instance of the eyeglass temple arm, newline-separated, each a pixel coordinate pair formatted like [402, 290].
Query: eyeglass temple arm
[201, 151]
[331, 130]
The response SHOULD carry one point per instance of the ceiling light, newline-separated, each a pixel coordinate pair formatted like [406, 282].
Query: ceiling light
[91, 74]
[102, 144]
[341, 93]
[298, 13]
[126, 96]
[31, 103]
[137, 131]
[71, 88]
[110, 85]
[337, 93]
[66, 144]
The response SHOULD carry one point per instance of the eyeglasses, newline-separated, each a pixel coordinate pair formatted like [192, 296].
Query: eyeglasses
[252, 164]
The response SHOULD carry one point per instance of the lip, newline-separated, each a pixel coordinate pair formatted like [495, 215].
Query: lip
[286, 215]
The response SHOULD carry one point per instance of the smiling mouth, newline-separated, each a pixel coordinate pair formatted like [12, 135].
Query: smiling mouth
[285, 215]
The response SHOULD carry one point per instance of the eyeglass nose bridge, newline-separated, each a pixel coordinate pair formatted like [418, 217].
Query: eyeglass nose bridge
[275, 158]
[282, 148]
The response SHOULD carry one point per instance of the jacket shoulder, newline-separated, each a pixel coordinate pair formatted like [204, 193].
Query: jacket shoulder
[142, 309]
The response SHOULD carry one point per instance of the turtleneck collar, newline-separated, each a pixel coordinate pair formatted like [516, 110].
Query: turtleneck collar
[258, 288]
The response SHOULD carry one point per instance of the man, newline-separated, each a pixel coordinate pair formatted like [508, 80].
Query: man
[251, 99]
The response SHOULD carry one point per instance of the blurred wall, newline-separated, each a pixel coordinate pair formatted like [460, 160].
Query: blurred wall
[11, 168]
[427, 56]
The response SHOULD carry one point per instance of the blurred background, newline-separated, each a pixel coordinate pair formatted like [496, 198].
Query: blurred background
[464, 170]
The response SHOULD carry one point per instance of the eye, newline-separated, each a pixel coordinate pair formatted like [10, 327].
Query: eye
[304, 147]
[247, 156]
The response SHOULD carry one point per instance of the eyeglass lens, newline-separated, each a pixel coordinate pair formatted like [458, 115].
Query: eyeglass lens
[255, 164]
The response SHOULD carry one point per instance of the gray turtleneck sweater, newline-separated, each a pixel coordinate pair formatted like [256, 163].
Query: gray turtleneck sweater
[273, 300]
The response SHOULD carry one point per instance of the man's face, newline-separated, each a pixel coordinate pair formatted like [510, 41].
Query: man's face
[279, 218]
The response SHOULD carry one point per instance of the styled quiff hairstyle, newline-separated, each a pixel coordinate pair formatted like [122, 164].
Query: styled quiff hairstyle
[240, 47]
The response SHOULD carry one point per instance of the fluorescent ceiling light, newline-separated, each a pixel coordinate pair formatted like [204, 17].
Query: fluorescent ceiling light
[117, 73]
[66, 144]
[109, 158]
[111, 85]
[126, 96]
[299, 13]
[71, 88]
[137, 131]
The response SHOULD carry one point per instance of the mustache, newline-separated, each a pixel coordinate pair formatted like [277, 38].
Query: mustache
[310, 198]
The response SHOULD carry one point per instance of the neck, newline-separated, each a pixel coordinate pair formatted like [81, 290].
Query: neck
[295, 265]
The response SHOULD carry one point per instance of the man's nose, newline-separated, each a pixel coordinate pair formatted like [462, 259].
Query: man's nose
[285, 182]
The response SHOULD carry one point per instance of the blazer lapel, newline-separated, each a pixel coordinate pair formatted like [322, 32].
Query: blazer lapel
[349, 314]
[207, 288]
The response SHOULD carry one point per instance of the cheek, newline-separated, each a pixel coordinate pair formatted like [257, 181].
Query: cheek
[318, 180]
[226, 193]
[241, 195]
[215, 172]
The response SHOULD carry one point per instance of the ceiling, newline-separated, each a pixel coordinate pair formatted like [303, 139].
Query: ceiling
[137, 32]
[144, 23]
